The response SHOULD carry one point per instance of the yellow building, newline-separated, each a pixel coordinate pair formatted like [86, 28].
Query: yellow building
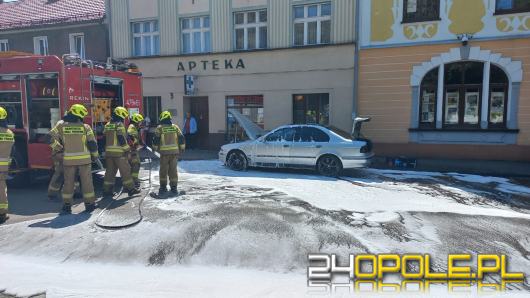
[446, 78]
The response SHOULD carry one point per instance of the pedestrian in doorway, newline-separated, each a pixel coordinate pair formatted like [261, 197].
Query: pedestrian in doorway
[190, 130]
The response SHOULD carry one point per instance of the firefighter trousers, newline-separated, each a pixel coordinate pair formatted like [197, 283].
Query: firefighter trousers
[87, 186]
[134, 161]
[168, 167]
[3, 193]
[56, 182]
[115, 164]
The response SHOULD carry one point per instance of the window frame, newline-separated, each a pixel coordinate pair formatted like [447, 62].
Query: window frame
[5, 44]
[142, 34]
[245, 26]
[306, 20]
[407, 20]
[461, 125]
[73, 50]
[36, 45]
[319, 105]
[509, 11]
[203, 30]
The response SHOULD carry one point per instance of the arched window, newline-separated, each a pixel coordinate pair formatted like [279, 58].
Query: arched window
[498, 97]
[462, 94]
[429, 90]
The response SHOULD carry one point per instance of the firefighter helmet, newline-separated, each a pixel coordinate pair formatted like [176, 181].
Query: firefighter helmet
[121, 112]
[3, 113]
[78, 110]
[137, 118]
[165, 115]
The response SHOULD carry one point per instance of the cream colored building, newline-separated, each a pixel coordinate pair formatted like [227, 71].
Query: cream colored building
[276, 61]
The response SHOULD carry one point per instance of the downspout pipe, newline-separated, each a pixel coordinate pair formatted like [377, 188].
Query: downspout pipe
[357, 16]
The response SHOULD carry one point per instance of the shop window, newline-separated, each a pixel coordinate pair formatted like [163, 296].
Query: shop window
[512, 6]
[463, 88]
[498, 96]
[152, 109]
[312, 24]
[428, 95]
[146, 38]
[4, 45]
[420, 10]
[196, 35]
[311, 109]
[250, 106]
[250, 30]
[11, 101]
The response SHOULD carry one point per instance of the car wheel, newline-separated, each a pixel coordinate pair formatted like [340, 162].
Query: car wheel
[329, 165]
[237, 161]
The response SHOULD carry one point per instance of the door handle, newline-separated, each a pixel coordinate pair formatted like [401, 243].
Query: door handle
[318, 146]
[286, 146]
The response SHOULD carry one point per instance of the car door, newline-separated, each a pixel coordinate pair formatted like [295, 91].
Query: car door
[308, 143]
[274, 149]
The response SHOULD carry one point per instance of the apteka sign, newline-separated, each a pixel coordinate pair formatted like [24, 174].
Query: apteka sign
[216, 64]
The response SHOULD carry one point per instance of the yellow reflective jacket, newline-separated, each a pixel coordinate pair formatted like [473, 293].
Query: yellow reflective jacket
[115, 139]
[76, 141]
[169, 139]
[7, 139]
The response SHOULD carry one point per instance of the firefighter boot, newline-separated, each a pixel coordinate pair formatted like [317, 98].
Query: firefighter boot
[174, 190]
[3, 218]
[162, 190]
[67, 209]
[133, 191]
[90, 207]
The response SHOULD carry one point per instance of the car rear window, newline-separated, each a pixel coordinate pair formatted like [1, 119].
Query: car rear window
[312, 134]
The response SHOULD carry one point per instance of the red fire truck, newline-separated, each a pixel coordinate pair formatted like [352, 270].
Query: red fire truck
[37, 90]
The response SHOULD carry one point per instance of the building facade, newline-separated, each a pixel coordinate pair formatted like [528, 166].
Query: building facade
[275, 61]
[55, 27]
[447, 79]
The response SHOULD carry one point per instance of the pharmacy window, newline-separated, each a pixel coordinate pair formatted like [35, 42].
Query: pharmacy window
[421, 10]
[250, 30]
[312, 24]
[146, 38]
[196, 35]
[40, 45]
[4, 45]
[311, 109]
[511, 6]
[77, 44]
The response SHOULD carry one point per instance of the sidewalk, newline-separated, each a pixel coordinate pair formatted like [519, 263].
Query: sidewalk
[199, 155]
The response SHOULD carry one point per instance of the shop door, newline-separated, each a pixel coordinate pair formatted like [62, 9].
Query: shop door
[199, 110]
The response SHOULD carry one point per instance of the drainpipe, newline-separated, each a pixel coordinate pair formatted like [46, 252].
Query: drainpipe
[108, 20]
[356, 60]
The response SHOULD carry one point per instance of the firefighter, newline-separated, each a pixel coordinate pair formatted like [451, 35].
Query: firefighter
[116, 152]
[169, 142]
[134, 143]
[7, 139]
[56, 182]
[76, 140]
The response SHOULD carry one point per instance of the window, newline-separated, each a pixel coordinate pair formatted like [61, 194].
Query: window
[40, 45]
[311, 109]
[421, 10]
[463, 88]
[312, 134]
[250, 106]
[146, 38]
[77, 44]
[429, 88]
[196, 35]
[4, 45]
[498, 95]
[250, 30]
[281, 135]
[152, 109]
[312, 24]
[511, 6]
[12, 102]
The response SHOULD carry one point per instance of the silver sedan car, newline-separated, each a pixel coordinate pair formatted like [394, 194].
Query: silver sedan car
[299, 146]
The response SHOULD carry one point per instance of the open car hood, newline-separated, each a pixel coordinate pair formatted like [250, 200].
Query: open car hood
[252, 130]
